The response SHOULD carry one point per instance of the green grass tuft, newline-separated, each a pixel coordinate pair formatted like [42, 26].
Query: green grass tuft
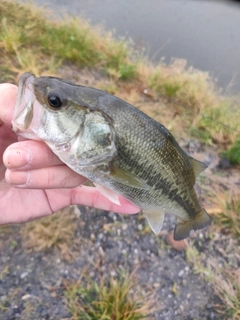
[233, 153]
[111, 299]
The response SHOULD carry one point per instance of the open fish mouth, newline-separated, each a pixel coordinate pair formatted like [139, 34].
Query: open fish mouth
[28, 112]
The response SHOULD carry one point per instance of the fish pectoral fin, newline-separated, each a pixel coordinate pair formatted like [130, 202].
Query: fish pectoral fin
[155, 220]
[127, 178]
[109, 194]
[185, 229]
[198, 166]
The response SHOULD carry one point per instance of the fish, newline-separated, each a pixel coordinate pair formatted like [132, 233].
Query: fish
[120, 149]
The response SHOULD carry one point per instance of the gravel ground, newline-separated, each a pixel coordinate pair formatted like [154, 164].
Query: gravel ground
[32, 286]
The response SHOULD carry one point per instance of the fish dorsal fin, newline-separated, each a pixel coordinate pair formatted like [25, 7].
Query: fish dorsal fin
[109, 194]
[185, 229]
[198, 166]
[155, 219]
[127, 178]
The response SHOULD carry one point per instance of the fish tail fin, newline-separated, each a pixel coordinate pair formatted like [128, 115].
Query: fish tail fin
[185, 229]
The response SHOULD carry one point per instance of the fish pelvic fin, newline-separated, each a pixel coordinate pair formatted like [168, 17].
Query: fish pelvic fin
[155, 220]
[198, 166]
[111, 195]
[185, 229]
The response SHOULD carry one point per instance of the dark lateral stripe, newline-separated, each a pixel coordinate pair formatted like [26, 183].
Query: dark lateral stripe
[155, 179]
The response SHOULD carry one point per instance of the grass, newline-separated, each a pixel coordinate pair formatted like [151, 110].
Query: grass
[28, 39]
[110, 299]
[55, 232]
[226, 211]
[25, 33]
[227, 287]
[233, 153]
[229, 216]
[224, 277]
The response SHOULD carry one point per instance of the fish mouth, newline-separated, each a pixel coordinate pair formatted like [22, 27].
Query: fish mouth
[26, 116]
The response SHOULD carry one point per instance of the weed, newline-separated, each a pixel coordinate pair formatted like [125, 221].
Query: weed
[52, 232]
[197, 258]
[228, 217]
[110, 299]
[233, 153]
[171, 89]
[227, 287]
[218, 123]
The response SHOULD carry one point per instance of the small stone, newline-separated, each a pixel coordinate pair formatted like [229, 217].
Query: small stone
[100, 236]
[181, 273]
[23, 275]
[140, 227]
[224, 164]
[92, 237]
[113, 273]
[53, 294]
[125, 226]
[209, 306]
[135, 251]
[26, 296]
[101, 252]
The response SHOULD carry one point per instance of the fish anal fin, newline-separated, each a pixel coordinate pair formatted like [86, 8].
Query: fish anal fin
[127, 178]
[185, 229]
[198, 166]
[155, 220]
[111, 195]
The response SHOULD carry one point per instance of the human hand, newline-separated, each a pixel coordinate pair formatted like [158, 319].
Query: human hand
[33, 181]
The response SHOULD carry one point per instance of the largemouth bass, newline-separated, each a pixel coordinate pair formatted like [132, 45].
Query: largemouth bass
[116, 146]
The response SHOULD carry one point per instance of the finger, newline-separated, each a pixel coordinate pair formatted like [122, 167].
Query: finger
[59, 176]
[87, 196]
[8, 97]
[29, 155]
[90, 196]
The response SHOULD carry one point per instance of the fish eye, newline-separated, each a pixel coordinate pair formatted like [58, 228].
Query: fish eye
[54, 101]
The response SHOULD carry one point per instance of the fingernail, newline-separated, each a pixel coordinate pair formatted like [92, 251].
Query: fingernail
[17, 178]
[16, 158]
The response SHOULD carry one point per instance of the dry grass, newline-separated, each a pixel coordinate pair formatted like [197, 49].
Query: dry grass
[221, 270]
[55, 232]
[115, 298]
[228, 214]
[227, 287]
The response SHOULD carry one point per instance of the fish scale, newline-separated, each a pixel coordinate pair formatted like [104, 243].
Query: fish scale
[116, 146]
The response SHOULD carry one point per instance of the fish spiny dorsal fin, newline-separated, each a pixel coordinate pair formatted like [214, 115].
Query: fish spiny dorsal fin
[155, 219]
[198, 166]
[185, 229]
